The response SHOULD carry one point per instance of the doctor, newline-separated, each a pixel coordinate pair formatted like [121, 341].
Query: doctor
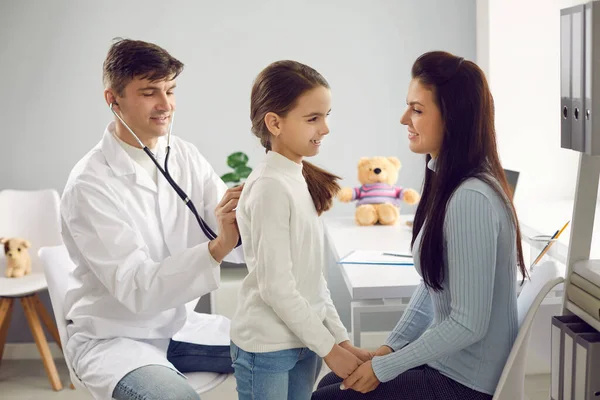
[142, 260]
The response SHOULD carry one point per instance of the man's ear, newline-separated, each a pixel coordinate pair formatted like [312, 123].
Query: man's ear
[273, 123]
[110, 97]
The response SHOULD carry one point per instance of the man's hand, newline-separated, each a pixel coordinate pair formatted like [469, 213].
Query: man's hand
[362, 380]
[363, 355]
[229, 233]
[341, 361]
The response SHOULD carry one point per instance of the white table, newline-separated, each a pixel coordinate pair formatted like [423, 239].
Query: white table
[377, 288]
[373, 288]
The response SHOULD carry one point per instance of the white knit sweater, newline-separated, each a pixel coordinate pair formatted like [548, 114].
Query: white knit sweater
[284, 302]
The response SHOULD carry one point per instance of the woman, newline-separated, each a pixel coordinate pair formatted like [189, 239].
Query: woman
[455, 336]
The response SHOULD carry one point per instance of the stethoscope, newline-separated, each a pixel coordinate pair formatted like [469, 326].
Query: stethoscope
[209, 233]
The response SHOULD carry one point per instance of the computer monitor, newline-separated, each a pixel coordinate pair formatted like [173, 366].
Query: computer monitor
[512, 177]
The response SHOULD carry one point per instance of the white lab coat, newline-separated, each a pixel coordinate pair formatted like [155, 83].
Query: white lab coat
[140, 257]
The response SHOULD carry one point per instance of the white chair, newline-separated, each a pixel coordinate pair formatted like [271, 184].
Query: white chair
[34, 216]
[57, 266]
[512, 381]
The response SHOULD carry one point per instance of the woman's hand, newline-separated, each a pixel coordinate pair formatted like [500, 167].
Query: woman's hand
[362, 380]
[383, 351]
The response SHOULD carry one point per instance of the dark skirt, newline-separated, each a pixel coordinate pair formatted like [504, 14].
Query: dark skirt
[421, 383]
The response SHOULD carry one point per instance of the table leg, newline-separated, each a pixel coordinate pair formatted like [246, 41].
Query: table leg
[355, 322]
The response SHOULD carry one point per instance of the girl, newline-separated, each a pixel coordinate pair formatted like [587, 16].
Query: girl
[285, 318]
[455, 336]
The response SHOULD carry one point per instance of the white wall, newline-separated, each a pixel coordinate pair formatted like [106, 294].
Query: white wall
[52, 109]
[52, 53]
[482, 39]
[524, 73]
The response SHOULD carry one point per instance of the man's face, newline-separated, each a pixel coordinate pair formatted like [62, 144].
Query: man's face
[147, 107]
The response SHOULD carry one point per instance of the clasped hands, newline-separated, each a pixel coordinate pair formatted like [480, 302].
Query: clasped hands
[353, 364]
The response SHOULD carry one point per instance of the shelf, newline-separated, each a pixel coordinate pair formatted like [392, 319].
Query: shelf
[583, 315]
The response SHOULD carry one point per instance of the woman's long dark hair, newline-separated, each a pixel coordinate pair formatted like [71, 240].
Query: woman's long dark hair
[468, 150]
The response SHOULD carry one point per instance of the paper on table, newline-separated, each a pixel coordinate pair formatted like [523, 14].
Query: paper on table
[377, 258]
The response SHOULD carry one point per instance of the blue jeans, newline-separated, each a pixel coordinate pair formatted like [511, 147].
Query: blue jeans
[161, 383]
[279, 375]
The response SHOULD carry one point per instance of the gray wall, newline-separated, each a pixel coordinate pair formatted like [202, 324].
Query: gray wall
[53, 110]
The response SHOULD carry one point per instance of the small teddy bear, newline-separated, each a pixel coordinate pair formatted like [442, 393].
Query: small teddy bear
[18, 262]
[378, 199]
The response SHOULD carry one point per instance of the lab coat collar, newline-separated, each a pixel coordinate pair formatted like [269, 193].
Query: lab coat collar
[122, 164]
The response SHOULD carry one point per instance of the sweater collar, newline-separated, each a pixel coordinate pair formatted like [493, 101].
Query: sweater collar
[432, 164]
[284, 164]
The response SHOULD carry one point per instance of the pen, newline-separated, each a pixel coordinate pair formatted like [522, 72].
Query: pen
[547, 247]
[398, 255]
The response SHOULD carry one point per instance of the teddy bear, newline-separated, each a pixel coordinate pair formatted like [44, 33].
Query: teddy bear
[378, 198]
[18, 262]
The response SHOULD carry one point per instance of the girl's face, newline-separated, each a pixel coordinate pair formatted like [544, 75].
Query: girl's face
[423, 119]
[300, 133]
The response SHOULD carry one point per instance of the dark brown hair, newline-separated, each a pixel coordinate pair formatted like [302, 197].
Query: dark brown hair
[277, 89]
[468, 150]
[128, 59]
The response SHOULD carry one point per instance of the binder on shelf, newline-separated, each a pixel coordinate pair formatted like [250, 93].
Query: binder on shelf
[587, 366]
[557, 355]
[571, 331]
[584, 300]
[588, 270]
[585, 285]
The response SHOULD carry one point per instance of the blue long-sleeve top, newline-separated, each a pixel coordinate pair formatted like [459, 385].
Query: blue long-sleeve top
[467, 329]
